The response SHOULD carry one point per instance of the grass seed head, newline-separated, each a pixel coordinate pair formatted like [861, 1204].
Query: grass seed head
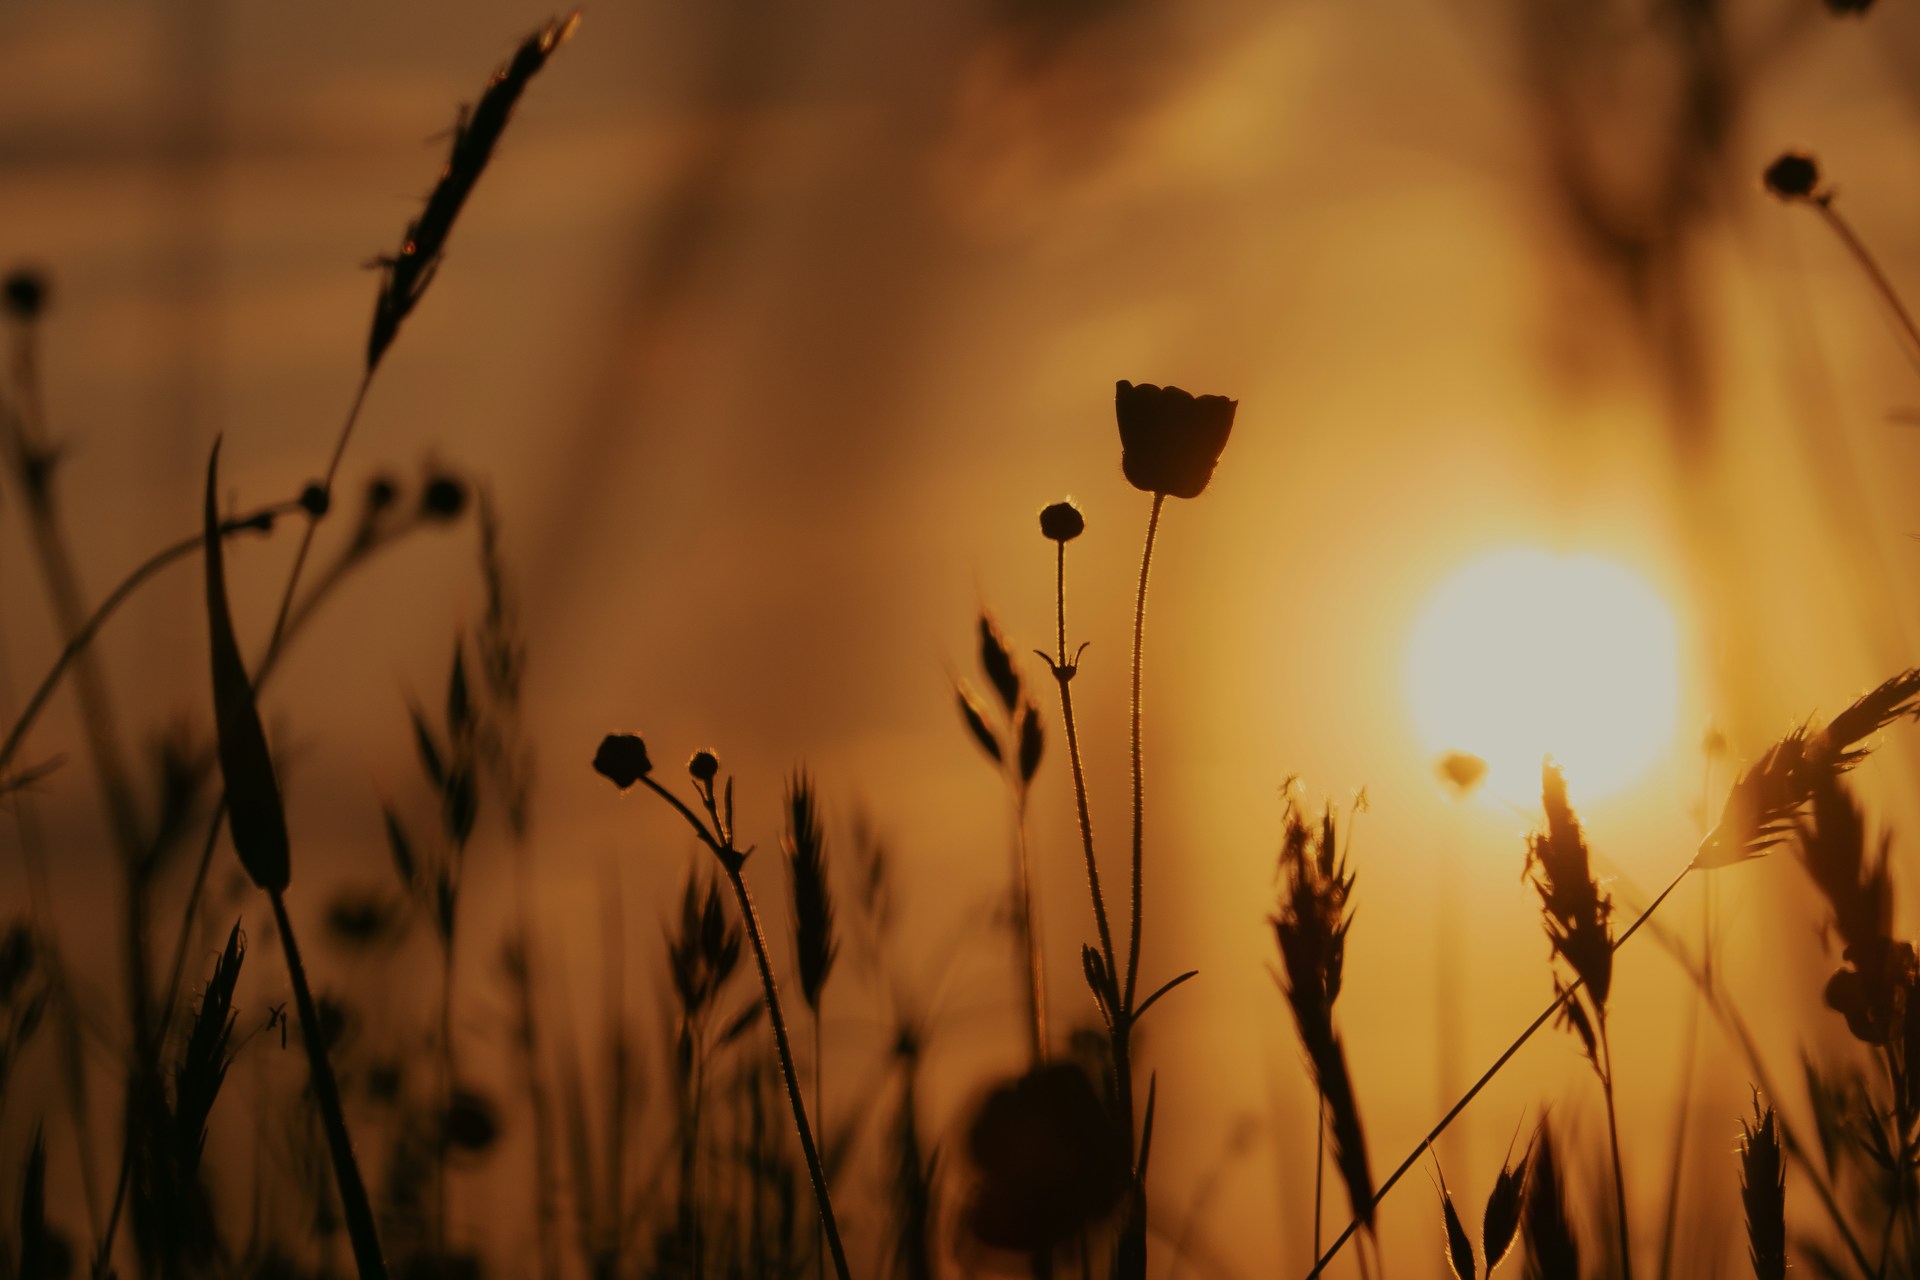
[1553, 1251]
[1763, 1192]
[1459, 1246]
[1577, 914]
[406, 275]
[805, 843]
[1501, 1221]
[1762, 803]
[1032, 742]
[976, 722]
[996, 662]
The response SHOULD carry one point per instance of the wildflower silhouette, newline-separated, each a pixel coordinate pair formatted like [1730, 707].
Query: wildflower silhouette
[1170, 439]
[1793, 176]
[1062, 521]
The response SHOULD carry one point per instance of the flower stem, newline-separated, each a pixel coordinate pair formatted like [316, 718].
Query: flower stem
[1613, 1137]
[83, 637]
[731, 861]
[326, 483]
[326, 1094]
[1063, 676]
[1139, 788]
[1902, 319]
[781, 1043]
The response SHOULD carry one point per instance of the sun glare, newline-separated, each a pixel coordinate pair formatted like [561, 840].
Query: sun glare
[1523, 654]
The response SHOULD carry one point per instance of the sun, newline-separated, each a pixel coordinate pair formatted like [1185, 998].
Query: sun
[1523, 654]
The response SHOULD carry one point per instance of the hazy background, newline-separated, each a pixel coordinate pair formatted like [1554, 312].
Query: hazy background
[773, 325]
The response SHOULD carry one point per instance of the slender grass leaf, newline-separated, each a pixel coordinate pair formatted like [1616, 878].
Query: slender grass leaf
[254, 812]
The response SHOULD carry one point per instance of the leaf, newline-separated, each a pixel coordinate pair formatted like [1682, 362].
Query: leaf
[254, 812]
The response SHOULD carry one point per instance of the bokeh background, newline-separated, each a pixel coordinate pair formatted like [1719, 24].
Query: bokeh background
[772, 326]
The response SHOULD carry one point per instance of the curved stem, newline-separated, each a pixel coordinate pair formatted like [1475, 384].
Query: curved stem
[785, 1050]
[1902, 320]
[1486, 1078]
[1139, 787]
[84, 636]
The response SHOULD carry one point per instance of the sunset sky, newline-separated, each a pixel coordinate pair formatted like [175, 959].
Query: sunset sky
[772, 327]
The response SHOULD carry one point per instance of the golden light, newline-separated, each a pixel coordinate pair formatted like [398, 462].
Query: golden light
[1523, 654]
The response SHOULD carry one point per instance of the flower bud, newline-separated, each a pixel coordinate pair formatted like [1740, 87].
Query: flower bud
[622, 759]
[444, 498]
[315, 499]
[26, 292]
[705, 766]
[1062, 522]
[1794, 176]
[381, 492]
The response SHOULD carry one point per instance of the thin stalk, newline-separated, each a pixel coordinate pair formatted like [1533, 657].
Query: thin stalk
[1736, 1026]
[78, 641]
[326, 484]
[1139, 783]
[1902, 319]
[785, 1049]
[528, 1042]
[1319, 1164]
[1063, 676]
[1684, 1114]
[819, 1110]
[1486, 1078]
[731, 860]
[1613, 1138]
[326, 1093]
[446, 1093]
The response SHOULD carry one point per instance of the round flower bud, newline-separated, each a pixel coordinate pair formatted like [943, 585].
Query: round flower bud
[315, 499]
[26, 291]
[381, 491]
[1793, 176]
[622, 759]
[444, 498]
[705, 766]
[1062, 521]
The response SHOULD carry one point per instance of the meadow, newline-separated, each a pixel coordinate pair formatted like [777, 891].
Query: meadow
[579, 961]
